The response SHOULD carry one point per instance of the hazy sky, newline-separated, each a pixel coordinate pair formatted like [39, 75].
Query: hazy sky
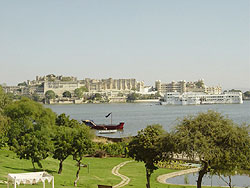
[143, 39]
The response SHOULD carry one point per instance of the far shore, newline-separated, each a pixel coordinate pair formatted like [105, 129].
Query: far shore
[98, 102]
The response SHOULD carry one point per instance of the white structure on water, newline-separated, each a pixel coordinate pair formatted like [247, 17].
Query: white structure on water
[195, 98]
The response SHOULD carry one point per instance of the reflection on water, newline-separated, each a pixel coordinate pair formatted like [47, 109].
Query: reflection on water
[237, 180]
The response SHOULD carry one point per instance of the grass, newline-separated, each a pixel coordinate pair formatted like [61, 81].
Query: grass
[137, 174]
[99, 172]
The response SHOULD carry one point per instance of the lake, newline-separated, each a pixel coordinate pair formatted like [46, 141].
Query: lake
[138, 115]
[190, 179]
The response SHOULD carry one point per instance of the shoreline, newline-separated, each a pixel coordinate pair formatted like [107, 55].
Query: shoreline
[163, 178]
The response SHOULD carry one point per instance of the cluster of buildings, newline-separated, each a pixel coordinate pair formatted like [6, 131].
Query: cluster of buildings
[115, 89]
[195, 93]
[183, 87]
[59, 84]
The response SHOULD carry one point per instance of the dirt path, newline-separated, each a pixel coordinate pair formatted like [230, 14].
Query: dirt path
[125, 179]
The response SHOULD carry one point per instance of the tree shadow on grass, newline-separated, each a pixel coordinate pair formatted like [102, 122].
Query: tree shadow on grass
[30, 169]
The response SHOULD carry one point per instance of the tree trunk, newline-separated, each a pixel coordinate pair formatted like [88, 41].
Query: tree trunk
[77, 173]
[148, 174]
[202, 172]
[60, 167]
[33, 164]
[230, 182]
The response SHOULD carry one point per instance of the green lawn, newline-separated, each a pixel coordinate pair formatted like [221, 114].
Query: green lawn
[137, 174]
[99, 172]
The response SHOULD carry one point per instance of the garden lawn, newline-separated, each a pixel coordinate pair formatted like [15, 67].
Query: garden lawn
[99, 170]
[137, 174]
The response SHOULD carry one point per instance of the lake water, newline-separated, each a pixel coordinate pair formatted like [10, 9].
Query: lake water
[138, 115]
[190, 179]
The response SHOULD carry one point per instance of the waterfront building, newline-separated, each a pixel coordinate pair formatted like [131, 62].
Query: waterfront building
[59, 87]
[50, 78]
[197, 98]
[60, 84]
[170, 87]
[111, 84]
[183, 86]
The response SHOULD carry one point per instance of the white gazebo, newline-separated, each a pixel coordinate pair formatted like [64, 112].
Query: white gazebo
[30, 178]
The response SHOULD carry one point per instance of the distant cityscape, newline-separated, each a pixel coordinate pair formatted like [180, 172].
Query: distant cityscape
[68, 89]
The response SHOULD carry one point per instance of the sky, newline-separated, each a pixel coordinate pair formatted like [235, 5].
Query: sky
[144, 39]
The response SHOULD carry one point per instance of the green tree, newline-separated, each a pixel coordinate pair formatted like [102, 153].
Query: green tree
[98, 97]
[247, 94]
[78, 92]
[4, 125]
[4, 121]
[29, 134]
[62, 145]
[63, 138]
[50, 95]
[22, 84]
[84, 89]
[35, 97]
[199, 84]
[4, 99]
[81, 145]
[215, 141]
[67, 94]
[63, 120]
[145, 147]
[234, 90]
[132, 96]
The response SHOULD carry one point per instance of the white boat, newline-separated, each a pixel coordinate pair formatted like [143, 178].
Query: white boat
[107, 131]
[197, 98]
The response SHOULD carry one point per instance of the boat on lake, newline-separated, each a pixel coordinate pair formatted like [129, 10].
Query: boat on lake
[92, 125]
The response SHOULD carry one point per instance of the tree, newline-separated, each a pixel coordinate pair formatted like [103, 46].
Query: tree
[4, 125]
[4, 99]
[29, 134]
[50, 95]
[247, 94]
[145, 147]
[98, 97]
[84, 89]
[35, 146]
[63, 138]
[62, 144]
[67, 94]
[22, 84]
[132, 96]
[4, 121]
[35, 97]
[78, 92]
[199, 84]
[215, 141]
[63, 120]
[234, 90]
[81, 145]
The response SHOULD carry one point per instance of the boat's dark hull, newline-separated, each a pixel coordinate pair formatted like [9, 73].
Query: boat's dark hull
[108, 127]
[103, 126]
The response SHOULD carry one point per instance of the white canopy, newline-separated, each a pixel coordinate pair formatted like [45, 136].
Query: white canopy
[30, 178]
